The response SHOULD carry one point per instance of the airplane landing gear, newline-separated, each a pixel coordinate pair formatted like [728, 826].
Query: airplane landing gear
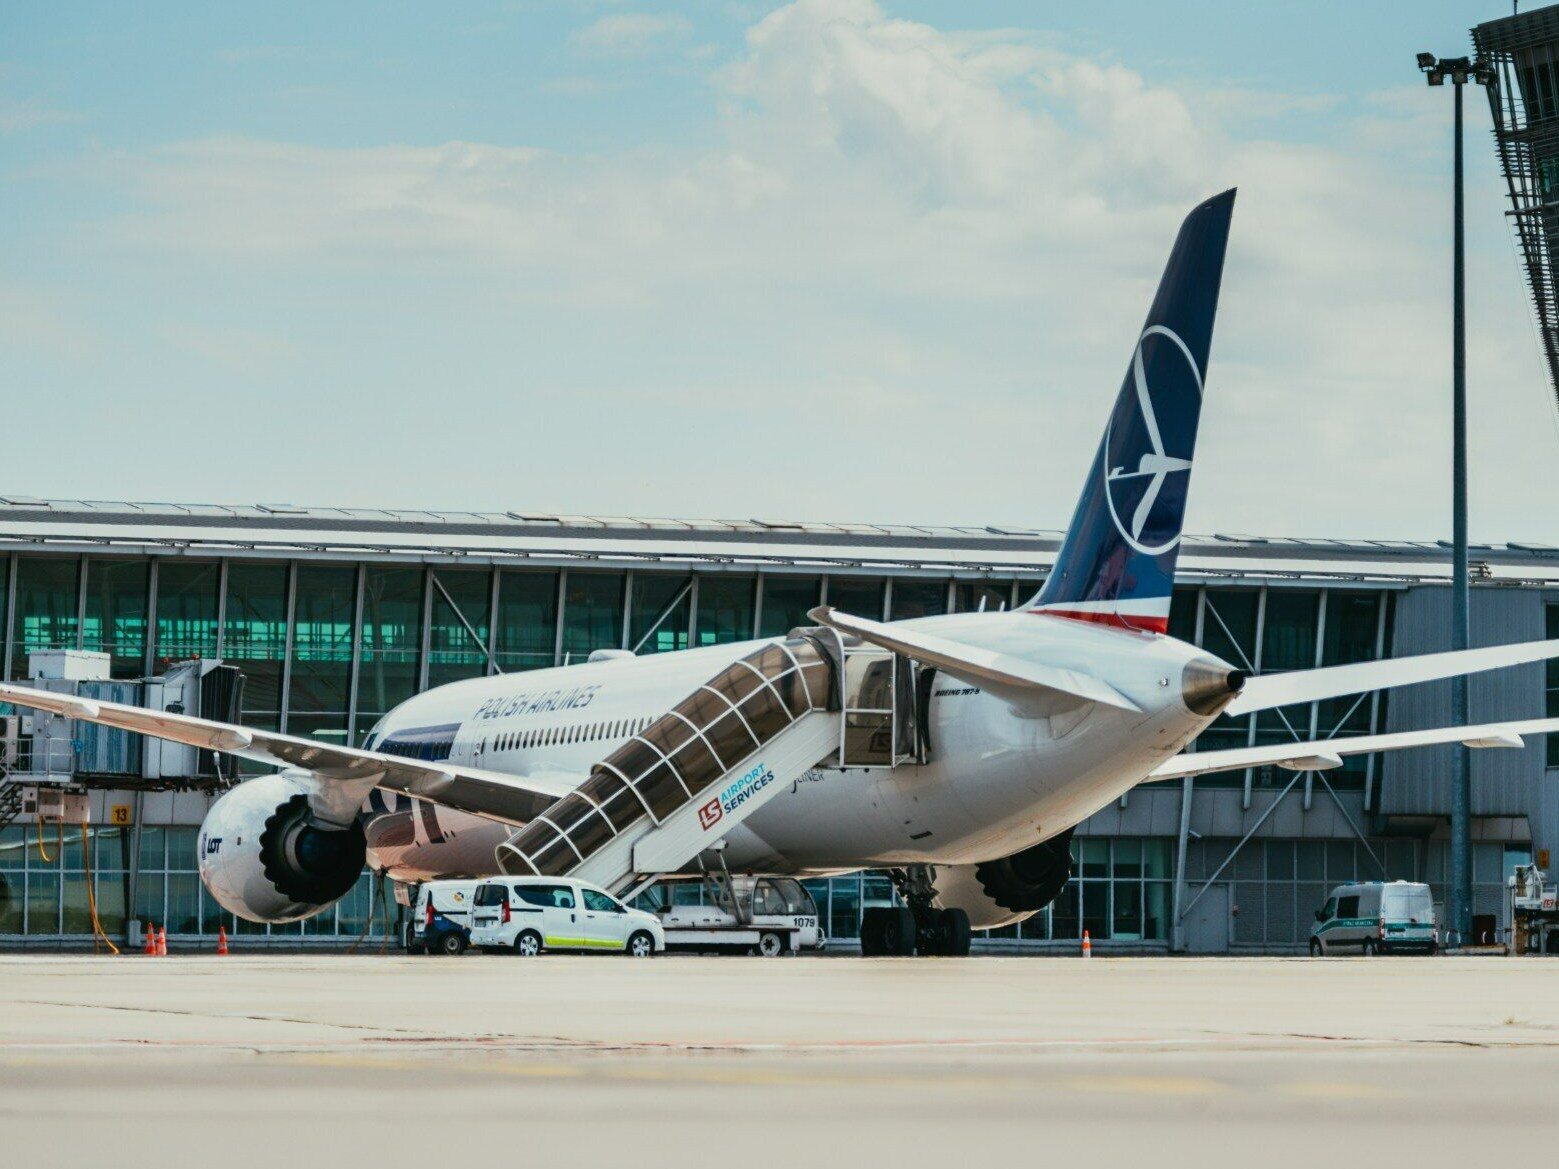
[916, 927]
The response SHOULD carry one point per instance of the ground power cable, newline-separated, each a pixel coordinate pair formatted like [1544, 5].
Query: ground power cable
[59, 842]
[86, 863]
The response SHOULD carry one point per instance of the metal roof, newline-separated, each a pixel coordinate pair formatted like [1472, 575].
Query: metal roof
[278, 528]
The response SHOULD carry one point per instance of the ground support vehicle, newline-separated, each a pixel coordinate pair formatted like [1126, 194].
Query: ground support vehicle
[768, 916]
[1532, 908]
[439, 921]
[1376, 917]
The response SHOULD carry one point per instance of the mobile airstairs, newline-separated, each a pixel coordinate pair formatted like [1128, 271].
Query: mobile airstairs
[679, 786]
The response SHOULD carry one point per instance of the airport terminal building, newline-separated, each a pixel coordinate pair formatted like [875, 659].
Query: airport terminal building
[332, 616]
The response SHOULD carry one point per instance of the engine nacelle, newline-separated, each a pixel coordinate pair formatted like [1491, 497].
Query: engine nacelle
[1000, 892]
[265, 857]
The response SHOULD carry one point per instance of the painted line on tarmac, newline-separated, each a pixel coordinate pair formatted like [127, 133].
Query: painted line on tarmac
[174, 1012]
[725, 1075]
[1236, 1042]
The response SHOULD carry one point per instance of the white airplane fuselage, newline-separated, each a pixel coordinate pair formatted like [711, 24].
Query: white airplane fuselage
[998, 779]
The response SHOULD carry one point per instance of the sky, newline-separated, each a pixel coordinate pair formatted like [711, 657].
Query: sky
[855, 260]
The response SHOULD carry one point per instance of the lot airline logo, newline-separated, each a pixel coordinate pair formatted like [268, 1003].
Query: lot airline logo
[1145, 502]
[735, 794]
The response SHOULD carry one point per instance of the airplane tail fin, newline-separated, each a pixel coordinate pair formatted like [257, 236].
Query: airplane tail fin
[1117, 562]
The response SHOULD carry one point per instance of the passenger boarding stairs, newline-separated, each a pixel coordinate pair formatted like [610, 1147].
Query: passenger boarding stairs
[719, 755]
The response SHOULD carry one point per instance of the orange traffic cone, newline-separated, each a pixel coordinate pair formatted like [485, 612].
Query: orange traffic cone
[1087, 945]
[150, 949]
[162, 941]
[221, 940]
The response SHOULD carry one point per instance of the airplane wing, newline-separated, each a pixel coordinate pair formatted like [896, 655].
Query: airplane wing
[1004, 675]
[1265, 691]
[1321, 754]
[346, 773]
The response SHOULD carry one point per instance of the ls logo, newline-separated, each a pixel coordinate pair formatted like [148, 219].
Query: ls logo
[1141, 447]
[709, 815]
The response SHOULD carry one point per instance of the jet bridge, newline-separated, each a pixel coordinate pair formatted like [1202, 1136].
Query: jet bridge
[719, 755]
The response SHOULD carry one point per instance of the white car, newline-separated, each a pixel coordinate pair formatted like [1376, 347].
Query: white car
[526, 915]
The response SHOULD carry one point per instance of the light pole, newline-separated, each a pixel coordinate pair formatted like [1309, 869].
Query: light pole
[1459, 70]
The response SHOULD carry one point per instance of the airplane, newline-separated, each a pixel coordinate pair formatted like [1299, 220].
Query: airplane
[1007, 729]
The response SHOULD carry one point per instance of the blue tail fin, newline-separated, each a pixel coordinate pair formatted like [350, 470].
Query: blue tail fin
[1117, 563]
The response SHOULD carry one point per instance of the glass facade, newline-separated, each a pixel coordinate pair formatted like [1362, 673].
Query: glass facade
[662, 613]
[115, 613]
[786, 602]
[319, 666]
[186, 611]
[918, 598]
[254, 637]
[860, 596]
[1275, 629]
[44, 609]
[461, 624]
[527, 620]
[726, 608]
[592, 614]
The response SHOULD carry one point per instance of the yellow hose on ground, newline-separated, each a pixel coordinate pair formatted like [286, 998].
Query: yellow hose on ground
[86, 862]
[59, 841]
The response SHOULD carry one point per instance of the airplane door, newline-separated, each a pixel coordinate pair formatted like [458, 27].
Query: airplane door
[605, 923]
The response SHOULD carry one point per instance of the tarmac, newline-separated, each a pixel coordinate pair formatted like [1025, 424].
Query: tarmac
[301, 1060]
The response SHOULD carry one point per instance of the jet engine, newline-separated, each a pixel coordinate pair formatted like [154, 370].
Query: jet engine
[265, 856]
[1000, 892]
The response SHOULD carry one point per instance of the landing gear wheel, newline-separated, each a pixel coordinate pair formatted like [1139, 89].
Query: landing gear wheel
[641, 945]
[771, 946]
[898, 932]
[452, 945]
[527, 944]
[872, 944]
[953, 933]
[1315, 948]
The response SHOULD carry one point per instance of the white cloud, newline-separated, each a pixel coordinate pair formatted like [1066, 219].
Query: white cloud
[946, 240]
[19, 114]
[629, 34]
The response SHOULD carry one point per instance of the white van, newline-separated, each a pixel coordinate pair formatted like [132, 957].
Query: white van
[525, 915]
[440, 918]
[1376, 918]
